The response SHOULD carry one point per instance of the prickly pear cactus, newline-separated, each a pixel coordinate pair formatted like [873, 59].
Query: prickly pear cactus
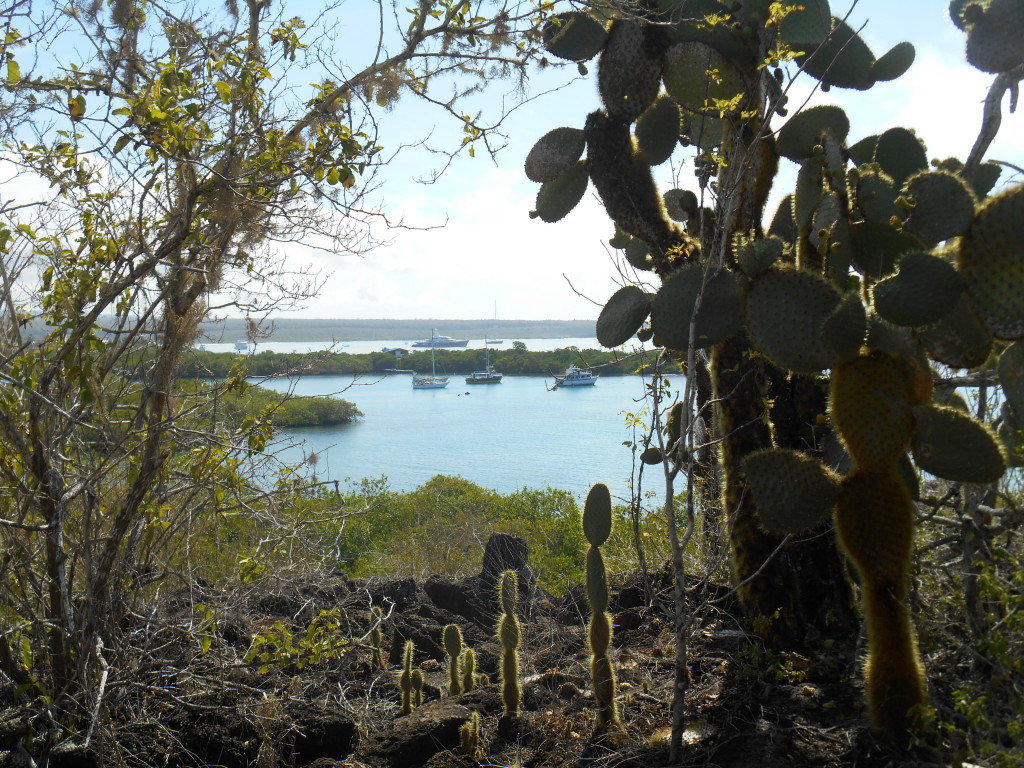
[879, 264]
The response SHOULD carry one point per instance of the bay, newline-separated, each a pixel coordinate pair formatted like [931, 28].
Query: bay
[509, 436]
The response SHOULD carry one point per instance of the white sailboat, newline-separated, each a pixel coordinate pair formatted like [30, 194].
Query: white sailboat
[488, 375]
[433, 381]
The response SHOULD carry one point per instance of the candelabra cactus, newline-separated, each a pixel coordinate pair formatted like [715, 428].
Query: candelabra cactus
[597, 526]
[405, 681]
[417, 688]
[510, 637]
[469, 736]
[452, 639]
[468, 664]
[875, 266]
[377, 638]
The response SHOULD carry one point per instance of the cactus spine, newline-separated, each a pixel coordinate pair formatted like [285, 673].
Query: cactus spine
[510, 636]
[405, 679]
[597, 525]
[452, 639]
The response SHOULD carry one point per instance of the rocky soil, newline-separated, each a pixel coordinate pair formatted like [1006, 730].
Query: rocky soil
[185, 696]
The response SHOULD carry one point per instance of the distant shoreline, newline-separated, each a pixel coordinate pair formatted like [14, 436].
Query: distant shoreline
[303, 329]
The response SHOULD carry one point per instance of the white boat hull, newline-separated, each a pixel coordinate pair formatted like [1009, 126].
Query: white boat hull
[429, 383]
[576, 377]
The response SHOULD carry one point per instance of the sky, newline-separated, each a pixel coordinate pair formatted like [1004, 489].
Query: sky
[471, 251]
[489, 258]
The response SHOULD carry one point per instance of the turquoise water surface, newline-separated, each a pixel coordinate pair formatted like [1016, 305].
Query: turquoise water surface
[508, 436]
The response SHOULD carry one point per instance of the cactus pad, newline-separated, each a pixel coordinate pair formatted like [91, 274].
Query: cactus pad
[754, 256]
[894, 62]
[950, 444]
[943, 206]
[508, 592]
[830, 234]
[959, 340]
[629, 70]
[1013, 442]
[901, 344]
[871, 409]
[622, 316]
[808, 25]
[657, 130]
[703, 131]
[782, 225]
[991, 260]
[846, 328]
[558, 197]
[720, 314]
[554, 153]
[995, 42]
[844, 59]
[574, 36]
[597, 515]
[808, 193]
[620, 239]
[1011, 376]
[985, 178]
[786, 312]
[901, 154]
[877, 247]
[956, 13]
[875, 523]
[923, 291]
[793, 491]
[681, 204]
[798, 137]
[876, 196]
[687, 80]
[863, 151]
[451, 637]
[597, 581]
[637, 253]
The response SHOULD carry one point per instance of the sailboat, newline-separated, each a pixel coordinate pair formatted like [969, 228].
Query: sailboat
[433, 381]
[488, 375]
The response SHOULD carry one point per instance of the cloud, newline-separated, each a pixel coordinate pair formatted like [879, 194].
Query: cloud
[489, 254]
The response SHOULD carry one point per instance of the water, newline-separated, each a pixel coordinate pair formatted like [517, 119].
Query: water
[507, 436]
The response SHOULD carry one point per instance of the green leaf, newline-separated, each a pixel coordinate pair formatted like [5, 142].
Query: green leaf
[121, 142]
[13, 72]
[225, 91]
